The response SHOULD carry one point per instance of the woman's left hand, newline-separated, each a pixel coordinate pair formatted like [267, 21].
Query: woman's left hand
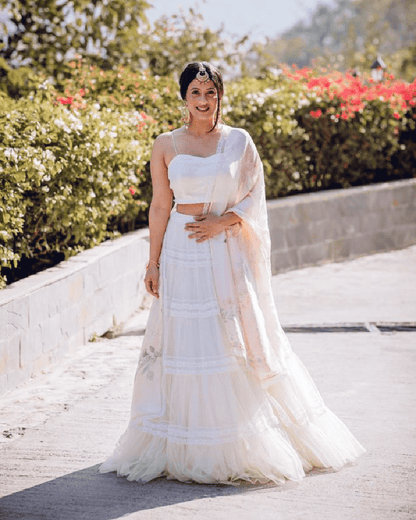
[206, 226]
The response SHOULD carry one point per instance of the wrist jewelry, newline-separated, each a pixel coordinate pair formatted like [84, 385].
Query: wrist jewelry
[152, 261]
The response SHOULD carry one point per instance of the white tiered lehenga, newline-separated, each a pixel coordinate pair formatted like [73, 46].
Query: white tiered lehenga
[199, 411]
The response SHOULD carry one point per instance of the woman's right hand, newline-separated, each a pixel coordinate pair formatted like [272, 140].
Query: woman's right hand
[151, 280]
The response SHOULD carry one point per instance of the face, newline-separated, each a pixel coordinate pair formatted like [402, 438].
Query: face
[202, 100]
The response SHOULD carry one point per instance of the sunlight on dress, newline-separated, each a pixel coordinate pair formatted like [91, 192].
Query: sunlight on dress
[199, 411]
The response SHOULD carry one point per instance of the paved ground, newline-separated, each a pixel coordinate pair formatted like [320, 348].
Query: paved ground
[58, 427]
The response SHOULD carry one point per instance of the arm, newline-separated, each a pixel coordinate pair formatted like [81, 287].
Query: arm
[229, 219]
[159, 211]
[162, 197]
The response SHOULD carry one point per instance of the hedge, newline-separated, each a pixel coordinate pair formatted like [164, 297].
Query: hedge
[64, 176]
[312, 138]
[74, 156]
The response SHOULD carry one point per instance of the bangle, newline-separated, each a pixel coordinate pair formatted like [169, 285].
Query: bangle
[150, 261]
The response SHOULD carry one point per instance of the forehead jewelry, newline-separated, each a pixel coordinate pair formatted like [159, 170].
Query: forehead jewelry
[202, 74]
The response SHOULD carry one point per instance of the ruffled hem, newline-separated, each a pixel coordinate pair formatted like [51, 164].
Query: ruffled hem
[271, 456]
[291, 433]
[261, 459]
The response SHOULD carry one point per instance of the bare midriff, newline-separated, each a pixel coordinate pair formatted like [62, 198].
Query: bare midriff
[190, 209]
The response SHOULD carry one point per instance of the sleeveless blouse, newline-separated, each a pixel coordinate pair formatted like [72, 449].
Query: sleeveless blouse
[191, 177]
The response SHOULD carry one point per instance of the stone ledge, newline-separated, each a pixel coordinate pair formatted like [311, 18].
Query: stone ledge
[51, 313]
[336, 225]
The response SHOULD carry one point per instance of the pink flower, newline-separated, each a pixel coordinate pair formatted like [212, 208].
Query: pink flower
[66, 101]
[132, 190]
[396, 115]
[316, 114]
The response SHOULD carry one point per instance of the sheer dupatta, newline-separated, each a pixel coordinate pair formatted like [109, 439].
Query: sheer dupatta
[241, 261]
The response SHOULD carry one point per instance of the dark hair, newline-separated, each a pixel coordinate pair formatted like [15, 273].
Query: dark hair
[189, 74]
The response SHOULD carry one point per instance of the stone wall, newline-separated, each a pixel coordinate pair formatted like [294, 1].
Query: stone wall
[336, 225]
[51, 313]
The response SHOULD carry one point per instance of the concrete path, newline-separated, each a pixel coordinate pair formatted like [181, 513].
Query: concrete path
[59, 426]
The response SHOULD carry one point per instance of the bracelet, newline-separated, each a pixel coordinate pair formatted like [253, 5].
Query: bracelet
[154, 261]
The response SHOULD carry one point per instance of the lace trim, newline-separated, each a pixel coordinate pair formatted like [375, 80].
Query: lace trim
[192, 308]
[199, 366]
[213, 435]
[187, 258]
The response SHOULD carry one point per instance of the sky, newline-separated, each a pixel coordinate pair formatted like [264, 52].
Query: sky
[260, 18]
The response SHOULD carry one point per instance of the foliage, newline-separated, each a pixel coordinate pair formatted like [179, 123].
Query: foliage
[120, 89]
[64, 174]
[324, 132]
[17, 82]
[74, 157]
[348, 34]
[182, 38]
[46, 35]
[42, 34]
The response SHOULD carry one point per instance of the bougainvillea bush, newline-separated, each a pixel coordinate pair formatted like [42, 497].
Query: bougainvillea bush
[121, 90]
[327, 131]
[74, 155]
[314, 130]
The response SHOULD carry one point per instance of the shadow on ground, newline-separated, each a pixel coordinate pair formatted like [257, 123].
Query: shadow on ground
[88, 494]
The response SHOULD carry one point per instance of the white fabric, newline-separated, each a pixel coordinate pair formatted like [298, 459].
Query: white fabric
[219, 395]
[192, 178]
[190, 184]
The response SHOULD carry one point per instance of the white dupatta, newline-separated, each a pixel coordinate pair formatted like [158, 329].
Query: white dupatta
[241, 261]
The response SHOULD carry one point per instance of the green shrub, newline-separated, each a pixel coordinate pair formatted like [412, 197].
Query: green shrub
[64, 175]
[310, 141]
[74, 157]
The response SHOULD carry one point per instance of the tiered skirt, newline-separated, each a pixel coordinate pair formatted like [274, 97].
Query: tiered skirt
[198, 414]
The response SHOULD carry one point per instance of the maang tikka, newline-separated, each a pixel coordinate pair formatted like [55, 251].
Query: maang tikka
[202, 75]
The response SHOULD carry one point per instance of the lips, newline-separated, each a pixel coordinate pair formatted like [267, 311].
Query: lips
[200, 109]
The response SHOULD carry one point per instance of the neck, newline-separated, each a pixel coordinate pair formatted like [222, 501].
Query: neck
[201, 128]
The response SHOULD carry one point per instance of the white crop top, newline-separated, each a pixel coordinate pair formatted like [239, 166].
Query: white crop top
[191, 177]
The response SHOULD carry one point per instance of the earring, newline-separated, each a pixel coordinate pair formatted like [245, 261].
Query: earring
[219, 110]
[186, 115]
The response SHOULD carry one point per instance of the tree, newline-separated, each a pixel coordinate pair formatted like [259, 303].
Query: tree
[182, 38]
[45, 33]
[350, 34]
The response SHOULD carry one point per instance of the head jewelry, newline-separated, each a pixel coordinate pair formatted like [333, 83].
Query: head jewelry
[202, 75]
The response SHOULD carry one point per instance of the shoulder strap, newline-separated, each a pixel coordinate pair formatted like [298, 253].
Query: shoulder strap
[174, 144]
[223, 140]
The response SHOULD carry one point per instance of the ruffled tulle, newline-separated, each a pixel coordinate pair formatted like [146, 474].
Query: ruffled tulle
[198, 413]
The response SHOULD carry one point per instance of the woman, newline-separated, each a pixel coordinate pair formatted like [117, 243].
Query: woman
[219, 395]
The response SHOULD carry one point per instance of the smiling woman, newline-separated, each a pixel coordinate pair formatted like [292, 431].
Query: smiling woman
[202, 93]
[219, 395]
